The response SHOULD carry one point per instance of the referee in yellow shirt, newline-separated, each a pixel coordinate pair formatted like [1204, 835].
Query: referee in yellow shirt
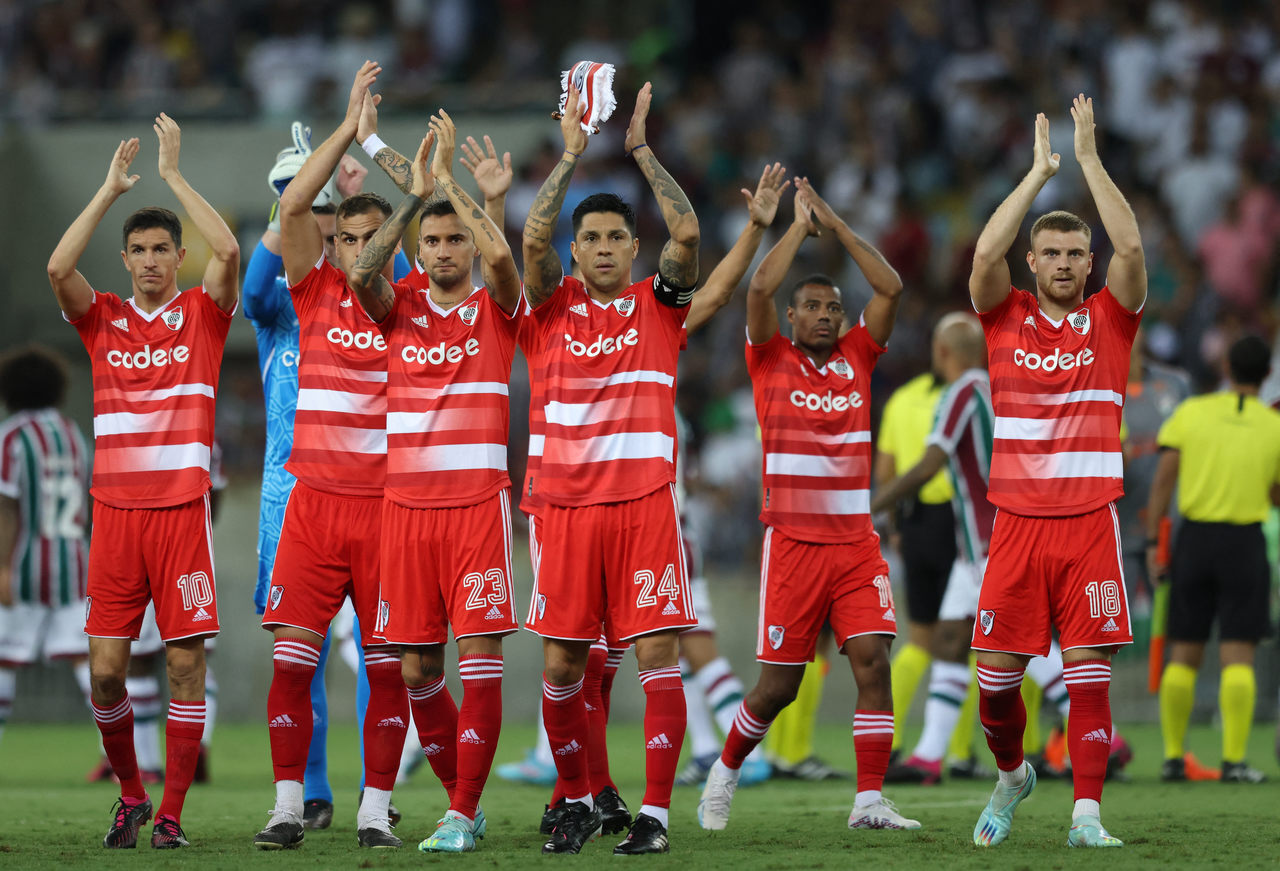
[926, 530]
[1223, 452]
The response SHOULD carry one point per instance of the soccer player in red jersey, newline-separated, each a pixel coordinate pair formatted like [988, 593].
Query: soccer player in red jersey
[155, 360]
[446, 535]
[330, 541]
[1059, 369]
[821, 558]
[605, 349]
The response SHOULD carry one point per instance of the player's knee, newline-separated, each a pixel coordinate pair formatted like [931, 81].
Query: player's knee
[108, 687]
[562, 672]
[416, 672]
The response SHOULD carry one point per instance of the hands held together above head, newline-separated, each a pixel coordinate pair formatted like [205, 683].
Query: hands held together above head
[1047, 161]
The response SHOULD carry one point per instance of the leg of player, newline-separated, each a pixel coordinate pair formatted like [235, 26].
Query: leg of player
[597, 690]
[658, 656]
[210, 717]
[1003, 718]
[479, 723]
[294, 660]
[949, 681]
[873, 733]
[909, 666]
[776, 688]
[317, 804]
[113, 712]
[144, 692]
[1087, 673]
[712, 684]
[1237, 695]
[434, 712]
[564, 713]
[385, 724]
[184, 661]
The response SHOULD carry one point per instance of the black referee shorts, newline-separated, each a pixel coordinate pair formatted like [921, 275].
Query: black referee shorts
[928, 550]
[1219, 570]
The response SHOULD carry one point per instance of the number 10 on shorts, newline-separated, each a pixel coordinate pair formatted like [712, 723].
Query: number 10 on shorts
[1104, 598]
[196, 590]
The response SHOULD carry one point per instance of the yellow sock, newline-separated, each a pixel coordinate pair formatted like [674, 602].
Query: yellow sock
[790, 738]
[1177, 695]
[906, 672]
[962, 735]
[1032, 696]
[1236, 697]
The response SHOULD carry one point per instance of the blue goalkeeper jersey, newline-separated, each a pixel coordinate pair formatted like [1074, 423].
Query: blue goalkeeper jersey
[269, 308]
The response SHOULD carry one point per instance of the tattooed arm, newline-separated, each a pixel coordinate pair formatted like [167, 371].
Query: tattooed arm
[365, 278]
[542, 268]
[678, 264]
[882, 308]
[500, 275]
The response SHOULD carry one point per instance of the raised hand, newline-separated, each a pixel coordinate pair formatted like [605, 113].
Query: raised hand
[170, 136]
[446, 134]
[492, 176]
[575, 138]
[762, 206]
[423, 181]
[804, 214]
[1046, 160]
[635, 127]
[820, 212]
[365, 77]
[350, 178]
[367, 123]
[118, 178]
[1085, 140]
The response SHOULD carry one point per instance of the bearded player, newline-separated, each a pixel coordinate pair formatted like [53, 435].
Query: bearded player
[155, 360]
[1059, 369]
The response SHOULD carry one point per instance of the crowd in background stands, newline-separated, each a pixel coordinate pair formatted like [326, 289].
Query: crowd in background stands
[912, 118]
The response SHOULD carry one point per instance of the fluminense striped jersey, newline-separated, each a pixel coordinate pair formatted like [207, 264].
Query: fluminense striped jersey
[815, 428]
[339, 428]
[44, 467]
[1058, 391]
[448, 413]
[963, 425]
[608, 385]
[155, 382]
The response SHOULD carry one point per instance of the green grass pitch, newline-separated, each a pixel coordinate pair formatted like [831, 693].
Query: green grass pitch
[52, 819]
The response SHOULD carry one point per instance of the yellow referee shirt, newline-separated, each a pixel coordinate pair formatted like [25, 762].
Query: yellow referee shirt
[905, 424]
[1229, 450]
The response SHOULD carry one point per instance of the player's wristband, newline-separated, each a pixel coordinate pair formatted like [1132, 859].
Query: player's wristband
[576, 154]
[637, 148]
[373, 145]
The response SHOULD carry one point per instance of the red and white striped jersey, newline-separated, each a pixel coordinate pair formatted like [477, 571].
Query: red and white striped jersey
[339, 430]
[155, 382]
[448, 413]
[608, 376]
[815, 426]
[531, 502]
[44, 467]
[1058, 392]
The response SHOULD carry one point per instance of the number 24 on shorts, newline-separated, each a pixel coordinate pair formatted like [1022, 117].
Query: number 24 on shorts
[668, 586]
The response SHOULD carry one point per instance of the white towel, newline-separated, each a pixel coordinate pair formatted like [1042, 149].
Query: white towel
[594, 82]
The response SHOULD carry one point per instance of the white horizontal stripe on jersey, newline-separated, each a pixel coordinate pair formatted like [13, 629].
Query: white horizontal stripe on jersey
[535, 444]
[806, 465]
[589, 413]
[638, 376]
[854, 437]
[457, 388]
[158, 458]
[159, 395]
[1110, 396]
[618, 446]
[1083, 464]
[341, 401]
[1029, 428]
[830, 501]
[343, 439]
[450, 458]
[436, 420]
[328, 370]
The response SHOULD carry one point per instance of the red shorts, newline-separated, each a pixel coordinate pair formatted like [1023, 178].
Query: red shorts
[447, 566]
[620, 565]
[1053, 572]
[329, 549]
[803, 585]
[162, 554]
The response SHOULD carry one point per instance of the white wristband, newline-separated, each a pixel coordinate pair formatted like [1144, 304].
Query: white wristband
[373, 144]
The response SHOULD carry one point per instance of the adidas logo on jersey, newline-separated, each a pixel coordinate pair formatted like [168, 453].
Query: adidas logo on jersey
[889, 615]
[579, 309]
[659, 741]
[346, 303]
[200, 615]
[670, 609]
[570, 748]
[1029, 322]
[1101, 735]
[1110, 625]
[392, 721]
[282, 721]
[495, 613]
[470, 737]
[433, 749]
[121, 323]
[421, 320]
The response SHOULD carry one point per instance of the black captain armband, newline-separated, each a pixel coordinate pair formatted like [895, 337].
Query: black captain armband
[671, 294]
